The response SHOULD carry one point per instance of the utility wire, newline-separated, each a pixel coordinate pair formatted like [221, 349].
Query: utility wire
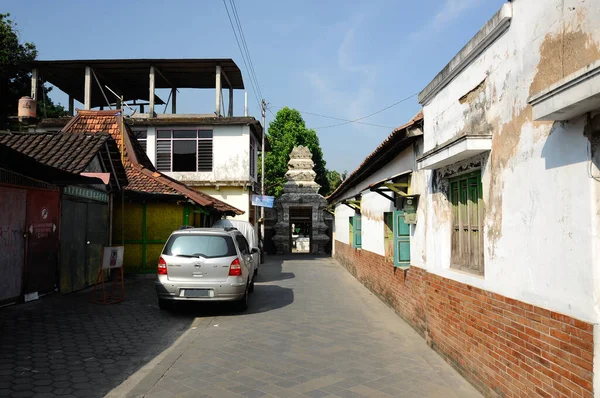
[337, 118]
[242, 52]
[252, 72]
[369, 115]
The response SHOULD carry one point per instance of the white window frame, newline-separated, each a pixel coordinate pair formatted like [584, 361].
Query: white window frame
[197, 140]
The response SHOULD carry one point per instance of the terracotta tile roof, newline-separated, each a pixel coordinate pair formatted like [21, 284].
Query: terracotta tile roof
[142, 175]
[379, 157]
[68, 152]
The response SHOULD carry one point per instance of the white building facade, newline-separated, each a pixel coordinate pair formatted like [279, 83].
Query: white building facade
[503, 279]
[217, 156]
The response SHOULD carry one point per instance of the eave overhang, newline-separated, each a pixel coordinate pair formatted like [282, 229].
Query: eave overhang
[458, 149]
[570, 97]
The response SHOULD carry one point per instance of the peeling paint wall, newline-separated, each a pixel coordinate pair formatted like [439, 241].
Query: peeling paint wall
[541, 205]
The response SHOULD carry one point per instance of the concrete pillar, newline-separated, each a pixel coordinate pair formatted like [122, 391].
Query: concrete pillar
[87, 91]
[151, 144]
[230, 112]
[218, 91]
[173, 100]
[34, 84]
[71, 106]
[152, 89]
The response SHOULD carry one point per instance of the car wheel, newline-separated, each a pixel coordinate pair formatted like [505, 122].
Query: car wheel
[251, 287]
[242, 305]
[256, 272]
[164, 305]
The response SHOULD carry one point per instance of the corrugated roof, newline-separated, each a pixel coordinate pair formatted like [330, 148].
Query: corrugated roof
[142, 175]
[379, 157]
[130, 76]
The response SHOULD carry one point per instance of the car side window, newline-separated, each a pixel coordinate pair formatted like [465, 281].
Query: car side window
[243, 244]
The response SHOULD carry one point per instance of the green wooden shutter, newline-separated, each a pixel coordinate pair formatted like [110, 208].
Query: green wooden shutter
[357, 231]
[401, 241]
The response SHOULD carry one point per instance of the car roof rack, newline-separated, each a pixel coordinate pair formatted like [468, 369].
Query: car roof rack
[186, 227]
[230, 229]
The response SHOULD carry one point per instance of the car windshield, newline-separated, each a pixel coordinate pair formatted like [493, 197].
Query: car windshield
[209, 246]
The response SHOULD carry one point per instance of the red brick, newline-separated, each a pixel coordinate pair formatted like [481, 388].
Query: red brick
[506, 345]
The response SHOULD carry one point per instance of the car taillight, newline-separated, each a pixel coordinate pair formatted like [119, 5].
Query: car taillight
[162, 266]
[235, 269]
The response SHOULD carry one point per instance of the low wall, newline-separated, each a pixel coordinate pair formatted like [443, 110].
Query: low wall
[505, 347]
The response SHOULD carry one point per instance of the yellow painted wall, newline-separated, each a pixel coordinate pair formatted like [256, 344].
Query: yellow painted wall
[161, 220]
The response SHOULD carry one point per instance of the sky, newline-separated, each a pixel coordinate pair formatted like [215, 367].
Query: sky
[339, 58]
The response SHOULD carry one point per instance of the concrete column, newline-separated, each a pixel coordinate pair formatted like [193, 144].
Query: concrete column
[87, 95]
[173, 100]
[218, 91]
[71, 106]
[230, 112]
[151, 144]
[34, 83]
[152, 89]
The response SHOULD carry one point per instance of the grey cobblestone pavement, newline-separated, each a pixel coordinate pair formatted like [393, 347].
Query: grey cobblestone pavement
[311, 330]
[64, 346]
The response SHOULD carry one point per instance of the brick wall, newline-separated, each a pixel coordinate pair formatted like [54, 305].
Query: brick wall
[505, 347]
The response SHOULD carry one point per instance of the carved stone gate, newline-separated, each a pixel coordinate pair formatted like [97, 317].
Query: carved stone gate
[302, 207]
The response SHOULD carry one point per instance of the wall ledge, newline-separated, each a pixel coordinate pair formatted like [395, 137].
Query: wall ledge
[487, 35]
[570, 97]
[455, 150]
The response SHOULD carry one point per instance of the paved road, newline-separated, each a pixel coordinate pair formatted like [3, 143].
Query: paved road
[61, 345]
[311, 330]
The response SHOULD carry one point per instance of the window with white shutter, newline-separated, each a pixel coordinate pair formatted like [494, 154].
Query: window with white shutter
[184, 150]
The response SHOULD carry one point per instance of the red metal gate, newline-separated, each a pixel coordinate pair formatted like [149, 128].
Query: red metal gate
[42, 224]
[12, 241]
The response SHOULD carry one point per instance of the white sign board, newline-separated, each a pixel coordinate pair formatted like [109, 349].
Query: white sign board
[113, 257]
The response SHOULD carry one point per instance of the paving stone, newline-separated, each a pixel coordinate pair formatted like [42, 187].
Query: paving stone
[311, 330]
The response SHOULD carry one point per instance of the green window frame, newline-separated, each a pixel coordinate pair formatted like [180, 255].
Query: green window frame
[401, 241]
[356, 231]
[466, 198]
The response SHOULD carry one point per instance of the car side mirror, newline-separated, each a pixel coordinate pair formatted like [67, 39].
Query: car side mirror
[255, 250]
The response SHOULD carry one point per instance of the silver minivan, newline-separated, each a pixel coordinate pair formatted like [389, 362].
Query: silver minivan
[205, 264]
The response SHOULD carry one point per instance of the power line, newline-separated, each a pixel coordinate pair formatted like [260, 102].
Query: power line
[242, 52]
[252, 72]
[337, 118]
[369, 115]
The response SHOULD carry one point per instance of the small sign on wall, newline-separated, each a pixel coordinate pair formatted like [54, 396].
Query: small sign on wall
[263, 201]
[113, 257]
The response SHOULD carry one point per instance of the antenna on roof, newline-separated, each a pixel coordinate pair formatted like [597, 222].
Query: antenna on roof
[120, 98]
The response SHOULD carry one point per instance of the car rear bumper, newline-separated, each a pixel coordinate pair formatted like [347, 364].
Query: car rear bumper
[225, 291]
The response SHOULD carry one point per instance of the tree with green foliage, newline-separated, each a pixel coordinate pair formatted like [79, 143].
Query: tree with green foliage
[15, 76]
[285, 132]
[335, 179]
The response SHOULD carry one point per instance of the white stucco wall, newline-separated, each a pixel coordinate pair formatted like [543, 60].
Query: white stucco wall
[342, 227]
[540, 231]
[373, 207]
[231, 154]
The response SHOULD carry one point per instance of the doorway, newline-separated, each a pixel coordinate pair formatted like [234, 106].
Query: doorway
[301, 229]
[84, 233]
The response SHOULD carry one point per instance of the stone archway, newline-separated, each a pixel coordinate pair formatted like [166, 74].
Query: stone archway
[302, 206]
